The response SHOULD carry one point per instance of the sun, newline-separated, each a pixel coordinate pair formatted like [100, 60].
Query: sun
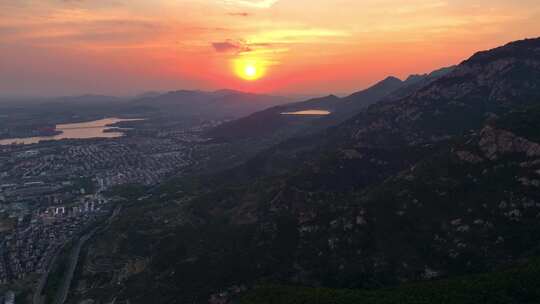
[249, 69]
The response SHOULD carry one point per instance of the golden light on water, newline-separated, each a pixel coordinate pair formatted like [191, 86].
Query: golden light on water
[249, 69]
[309, 112]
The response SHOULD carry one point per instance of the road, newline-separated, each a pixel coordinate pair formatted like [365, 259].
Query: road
[62, 293]
[38, 298]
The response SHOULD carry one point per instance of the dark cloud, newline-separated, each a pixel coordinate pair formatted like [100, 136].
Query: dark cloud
[231, 46]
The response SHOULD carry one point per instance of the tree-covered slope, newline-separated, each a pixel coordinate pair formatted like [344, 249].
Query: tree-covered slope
[516, 285]
[441, 183]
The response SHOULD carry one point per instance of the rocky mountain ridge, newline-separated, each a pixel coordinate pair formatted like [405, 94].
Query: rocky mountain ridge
[439, 183]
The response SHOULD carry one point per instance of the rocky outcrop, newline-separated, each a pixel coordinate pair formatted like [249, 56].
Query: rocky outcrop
[469, 157]
[495, 143]
[132, 267]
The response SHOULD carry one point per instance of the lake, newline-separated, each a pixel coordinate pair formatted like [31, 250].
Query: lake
[308, 112]
[83, 130]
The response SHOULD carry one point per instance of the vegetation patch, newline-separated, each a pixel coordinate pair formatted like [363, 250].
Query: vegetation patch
[518, 285]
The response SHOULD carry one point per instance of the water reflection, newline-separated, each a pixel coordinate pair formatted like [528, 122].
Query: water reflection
[308, 112]
[83, 130]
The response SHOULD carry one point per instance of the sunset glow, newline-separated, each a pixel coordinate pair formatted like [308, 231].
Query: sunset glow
[276, 46]
[249, 69]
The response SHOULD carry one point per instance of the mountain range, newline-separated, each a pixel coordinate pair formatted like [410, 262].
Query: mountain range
[216, 104]
[438, 178]
[25, 116]
[273, 122]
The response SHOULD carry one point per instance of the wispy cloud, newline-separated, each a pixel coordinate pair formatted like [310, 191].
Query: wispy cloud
[79, 32]
[252, 3]
[297, 35]
[231, 46]
[240, 14]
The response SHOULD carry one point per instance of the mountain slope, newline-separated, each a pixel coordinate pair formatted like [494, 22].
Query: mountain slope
[516, 285]
[358, 171]
[439, 183]
[270, 121]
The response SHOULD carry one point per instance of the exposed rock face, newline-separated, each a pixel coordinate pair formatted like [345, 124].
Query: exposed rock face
[133, 267]
[495, 143]
[469, 157]
[352, 154]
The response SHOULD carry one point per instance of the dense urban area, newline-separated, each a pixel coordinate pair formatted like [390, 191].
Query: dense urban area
[53, 192]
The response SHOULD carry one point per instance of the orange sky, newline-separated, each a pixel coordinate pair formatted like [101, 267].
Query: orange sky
[62, 47]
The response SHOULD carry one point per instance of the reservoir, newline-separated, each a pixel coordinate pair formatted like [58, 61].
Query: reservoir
[83, 130]
[308, 112]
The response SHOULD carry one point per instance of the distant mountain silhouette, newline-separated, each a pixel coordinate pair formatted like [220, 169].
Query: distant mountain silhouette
[222, 103]
[87, 99]
[149, 94]
[272, 122]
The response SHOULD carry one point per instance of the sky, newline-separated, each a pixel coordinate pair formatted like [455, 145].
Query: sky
[126, 47]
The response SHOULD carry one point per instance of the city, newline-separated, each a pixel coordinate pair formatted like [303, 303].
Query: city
[51, 193]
